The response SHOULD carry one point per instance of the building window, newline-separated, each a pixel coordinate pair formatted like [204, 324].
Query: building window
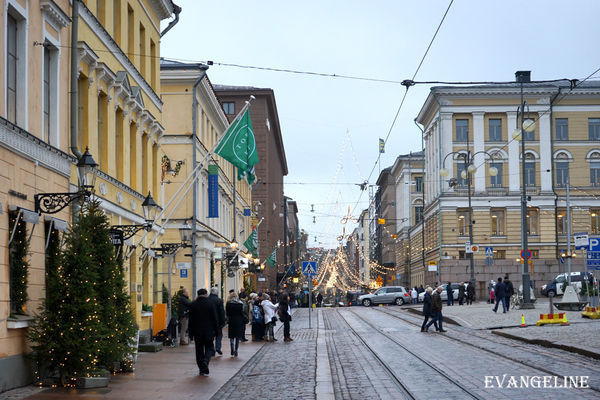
[497, 220]
[594, 128]
[117, 21]
[561, 222]
[533, 221]
[46, 96]
[496, 181]
[535, 253]
[495, 130]
[460, 167]
[562, 128]
[595, 220]
[595, 173]
[562, 173]
[462, 219]
[419, 184]
[462, 130]
[462, 255]
[229, 108]
[529, 170]
[418, 214]
[499, 254]
[11, 68]
[529, 136]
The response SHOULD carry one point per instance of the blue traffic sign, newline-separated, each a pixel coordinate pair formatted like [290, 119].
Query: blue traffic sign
[309, 268]
[593, 254]
[183, 273]
[489, 251]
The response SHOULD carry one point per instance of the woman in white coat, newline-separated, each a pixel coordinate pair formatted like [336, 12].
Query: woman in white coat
[270, 317]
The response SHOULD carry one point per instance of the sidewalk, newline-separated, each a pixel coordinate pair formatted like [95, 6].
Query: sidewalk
[169, 374]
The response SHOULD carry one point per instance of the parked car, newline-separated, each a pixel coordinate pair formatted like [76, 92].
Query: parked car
[554, 287]
[444, 294]
[386, 295]
[351, 298]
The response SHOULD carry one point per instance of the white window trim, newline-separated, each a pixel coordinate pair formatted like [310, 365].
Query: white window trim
[557, 153]
[52, 137]
[21, 14]
[590, 154]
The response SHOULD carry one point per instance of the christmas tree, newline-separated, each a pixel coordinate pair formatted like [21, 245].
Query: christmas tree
[19, 266]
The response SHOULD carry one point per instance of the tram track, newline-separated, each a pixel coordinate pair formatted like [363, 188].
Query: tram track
[390, 338]
[549, 354]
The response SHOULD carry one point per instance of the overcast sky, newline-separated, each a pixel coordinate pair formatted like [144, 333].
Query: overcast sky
[331, 126]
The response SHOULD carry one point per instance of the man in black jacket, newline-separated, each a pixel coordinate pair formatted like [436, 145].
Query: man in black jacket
[203, 327]
[284, 316]
[218, 302]
[183, 311]
[509, 291]
[499, 293]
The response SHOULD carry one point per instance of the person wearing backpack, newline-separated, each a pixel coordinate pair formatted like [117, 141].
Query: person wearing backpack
[258, 322]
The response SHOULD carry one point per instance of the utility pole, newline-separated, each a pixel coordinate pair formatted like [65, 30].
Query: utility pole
[569, 254]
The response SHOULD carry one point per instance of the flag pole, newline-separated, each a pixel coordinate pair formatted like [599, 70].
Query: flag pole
[189, 178]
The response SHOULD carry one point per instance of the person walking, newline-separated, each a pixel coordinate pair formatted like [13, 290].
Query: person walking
[218, 302]
[436, 308]
[427, 311]
[414, 294]
[285, 315]
[234, 310]
[499, 293]
[449, 292]
[203, 325]
[510, 290]
[461, 293]
[258, 320]
[183, 312]
[320, 299]
[470, 293]
[246, 312]
[270, 318]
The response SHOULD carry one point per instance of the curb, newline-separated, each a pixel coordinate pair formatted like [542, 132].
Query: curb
[549, 344]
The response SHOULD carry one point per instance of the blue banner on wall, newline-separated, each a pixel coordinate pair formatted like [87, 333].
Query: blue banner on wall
[213, 191]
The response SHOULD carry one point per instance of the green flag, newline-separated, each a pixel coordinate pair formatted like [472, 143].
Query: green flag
[238, 146]
[272, 259]
[252, 243]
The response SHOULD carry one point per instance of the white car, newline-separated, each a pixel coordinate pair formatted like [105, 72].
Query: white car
[444, 294]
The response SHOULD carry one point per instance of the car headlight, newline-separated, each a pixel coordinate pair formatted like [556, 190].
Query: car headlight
[544, 287]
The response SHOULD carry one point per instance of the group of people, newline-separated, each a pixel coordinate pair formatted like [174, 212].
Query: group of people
[206, 316]
[432, 308]
[466, 293]
[502, 293]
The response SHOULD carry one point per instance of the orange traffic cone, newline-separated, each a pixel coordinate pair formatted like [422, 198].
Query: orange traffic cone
[523, 321]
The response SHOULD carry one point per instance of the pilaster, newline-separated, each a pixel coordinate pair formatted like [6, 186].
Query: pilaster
[514, 174]
[479, 145]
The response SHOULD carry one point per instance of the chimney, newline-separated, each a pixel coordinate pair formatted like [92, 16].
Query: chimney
[523, 76]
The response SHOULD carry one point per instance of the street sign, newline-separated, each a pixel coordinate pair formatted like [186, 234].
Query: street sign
[474, 248]
[183, 273]
[581, 240]
[309, 268]
[523, 254]
[432, 266]
[468, 247]
[116, 237]
[379, 280]
[184, 265]
[593, 254]
[489, 251]
[594, 244]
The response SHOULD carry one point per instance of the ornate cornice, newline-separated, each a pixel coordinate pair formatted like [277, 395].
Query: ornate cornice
[29, 146]
[54, 14]
[120, 185]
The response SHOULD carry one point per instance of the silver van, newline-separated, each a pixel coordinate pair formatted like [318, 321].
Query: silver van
[386, 295]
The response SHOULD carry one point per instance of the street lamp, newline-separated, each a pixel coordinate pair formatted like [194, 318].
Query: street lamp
[51, 203]
[170, 249]
[527, 125]
[150, 210]
[468, 171]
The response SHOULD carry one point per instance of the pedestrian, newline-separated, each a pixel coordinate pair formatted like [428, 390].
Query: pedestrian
[414, 294]
[421, 290]
[246, 312]
[470, 293]
[499, 292]
[510, 290]
[449, 292]
[258, 320]
[270, 318]
[218, 302]
[285, 316]
[427, 311]
[436, 308]
[243, 294]
[236, 321]
[203, 326]
[461, 293]
[183, 312]
[320, 299]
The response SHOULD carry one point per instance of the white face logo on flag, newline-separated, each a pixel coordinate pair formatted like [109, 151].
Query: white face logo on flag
[239, 147]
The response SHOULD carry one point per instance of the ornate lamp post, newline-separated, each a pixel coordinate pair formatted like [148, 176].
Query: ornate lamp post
[150, 210]
[51, 203]
[170, 249]
[467, 173]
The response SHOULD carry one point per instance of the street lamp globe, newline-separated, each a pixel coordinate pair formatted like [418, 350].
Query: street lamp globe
[444, 172]
[85, 169]
[234, 246]
[493, 171]
[150, 208]
[516, 134]
[528, 125]
[463, 174]
[472, 168]
[185, 233]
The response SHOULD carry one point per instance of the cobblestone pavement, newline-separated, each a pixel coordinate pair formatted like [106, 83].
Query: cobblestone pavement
[279, 370]
[474, 357]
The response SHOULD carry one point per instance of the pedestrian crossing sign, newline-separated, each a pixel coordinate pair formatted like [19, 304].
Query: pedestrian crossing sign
[489, 251]
[309, 268]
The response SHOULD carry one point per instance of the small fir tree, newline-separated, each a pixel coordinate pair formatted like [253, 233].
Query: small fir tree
[18, 264]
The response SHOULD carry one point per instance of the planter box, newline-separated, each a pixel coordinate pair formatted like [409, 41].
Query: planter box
[92, 382]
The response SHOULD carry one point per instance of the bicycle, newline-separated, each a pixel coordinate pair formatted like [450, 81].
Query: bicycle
[516, 300]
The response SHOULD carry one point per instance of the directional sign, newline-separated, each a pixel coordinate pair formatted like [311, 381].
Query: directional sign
[432, 266]
[489, 251]
[183, 273]
[593, 254]
[309, 268]
[581, 240]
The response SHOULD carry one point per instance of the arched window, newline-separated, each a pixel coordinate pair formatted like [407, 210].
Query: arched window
[594, 160]
[561, 164]
[529, 169]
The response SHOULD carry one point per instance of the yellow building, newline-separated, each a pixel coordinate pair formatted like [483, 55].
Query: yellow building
[565, 144]
[194, 121]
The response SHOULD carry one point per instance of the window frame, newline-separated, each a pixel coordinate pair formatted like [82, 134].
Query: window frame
[495, 132]
[462, 130]
[462, 223]
[533, 218]
[564, 131]
[498, 226]
[229, 107]
[594, 129]
[497, 181]
[595, 221]
[562, 172]
[530, 170]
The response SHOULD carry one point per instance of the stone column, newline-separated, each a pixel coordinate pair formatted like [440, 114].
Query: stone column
[545, 153]
[445, 148]
[479, 145]
[514, 153]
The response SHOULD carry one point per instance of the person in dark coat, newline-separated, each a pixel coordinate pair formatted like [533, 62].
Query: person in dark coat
[470, 293]
[244, 300]
[218, 302]
[284, 314]
[319, 299]
[499, 293]
[510, 290]
[258, 318]
[236, 320]
[203, 325]
[436, 308]
[427, 311]
[421, 289]
[183, 312]
[449, 292]
[461, 293]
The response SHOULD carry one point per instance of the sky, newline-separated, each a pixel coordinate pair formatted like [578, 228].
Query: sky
[331, 126]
